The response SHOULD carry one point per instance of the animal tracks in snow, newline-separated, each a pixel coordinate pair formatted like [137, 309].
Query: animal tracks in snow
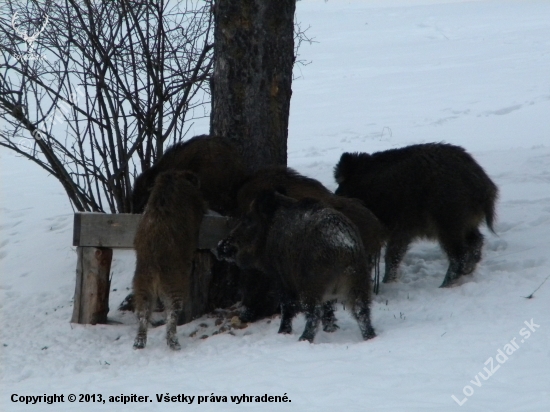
[504, 110]
[3, 253]
[540, 220]
[454, 114]
[58, 223]
[502, 264]
[495, 245]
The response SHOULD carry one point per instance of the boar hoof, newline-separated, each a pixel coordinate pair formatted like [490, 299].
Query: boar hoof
[139, 342]
[369, 334]
[174, 344]
[447, 283]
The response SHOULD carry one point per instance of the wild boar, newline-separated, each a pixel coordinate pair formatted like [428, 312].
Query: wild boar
[434, 191]
[312, 252]
[165, 242]
[258, 301]
[213, 159]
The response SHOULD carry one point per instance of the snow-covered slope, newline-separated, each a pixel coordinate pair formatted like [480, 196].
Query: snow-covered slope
[384, 74]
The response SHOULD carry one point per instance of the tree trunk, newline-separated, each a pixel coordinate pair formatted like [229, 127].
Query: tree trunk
[213, 285]
[251, 90]
[251, 87]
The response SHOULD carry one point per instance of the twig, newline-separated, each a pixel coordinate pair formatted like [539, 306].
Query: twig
[531, 295]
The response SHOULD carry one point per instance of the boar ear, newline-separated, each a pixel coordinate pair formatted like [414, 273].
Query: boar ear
[192, 178]
[348, 165]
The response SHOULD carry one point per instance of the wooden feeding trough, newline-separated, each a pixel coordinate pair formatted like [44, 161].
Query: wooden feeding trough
[96, 235]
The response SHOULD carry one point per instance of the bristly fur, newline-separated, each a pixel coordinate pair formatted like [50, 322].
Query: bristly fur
[291, 183]
[349, 165]
[216, 162]
[313, 252]
[165, 243]
[436, 190]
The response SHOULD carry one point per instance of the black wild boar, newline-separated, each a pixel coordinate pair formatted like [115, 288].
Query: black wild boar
[213, 159]
[435, 191]
[314, 253]
[257, 301]
[165, 242]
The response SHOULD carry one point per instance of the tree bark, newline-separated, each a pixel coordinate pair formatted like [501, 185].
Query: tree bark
[251, 90]
[251, 87]
[213, 285]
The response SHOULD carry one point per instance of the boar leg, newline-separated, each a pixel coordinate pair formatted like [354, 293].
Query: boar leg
[260, 295]
[288, 311]
[456, 268]
[474, 241]
[395, 250]
[313, 317]
[361, 312]
[328, 320]
[175, 306]
[457, 251]
[144, 303]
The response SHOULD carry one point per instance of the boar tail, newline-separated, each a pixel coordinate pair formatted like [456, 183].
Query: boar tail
[489, 208]
[490, 218]
[376, 259]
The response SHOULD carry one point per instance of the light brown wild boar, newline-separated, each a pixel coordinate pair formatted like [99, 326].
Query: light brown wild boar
[165, 242]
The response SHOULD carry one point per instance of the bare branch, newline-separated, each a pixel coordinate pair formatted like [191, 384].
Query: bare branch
[107, 85]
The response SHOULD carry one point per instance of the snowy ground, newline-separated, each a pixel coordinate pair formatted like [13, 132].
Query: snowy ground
[384, 74]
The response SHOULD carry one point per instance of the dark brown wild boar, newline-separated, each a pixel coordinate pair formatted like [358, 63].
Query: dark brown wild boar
[165, 242]
[314, 254]
[435, 191]
[213, 159]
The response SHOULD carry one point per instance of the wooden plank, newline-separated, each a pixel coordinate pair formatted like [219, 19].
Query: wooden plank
[105, 230]
[91, 296]
[118, 230]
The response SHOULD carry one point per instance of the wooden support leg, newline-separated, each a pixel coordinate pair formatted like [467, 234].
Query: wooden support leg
[91, 296]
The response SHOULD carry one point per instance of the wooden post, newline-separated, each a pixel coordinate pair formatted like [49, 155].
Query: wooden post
[91, 296]
[96, 234]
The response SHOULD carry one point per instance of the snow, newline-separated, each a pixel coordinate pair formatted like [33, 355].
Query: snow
[384, 74]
